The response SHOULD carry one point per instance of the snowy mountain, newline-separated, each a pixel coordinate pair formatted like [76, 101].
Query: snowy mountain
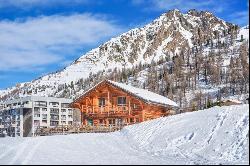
[173, 33]
[216, 136]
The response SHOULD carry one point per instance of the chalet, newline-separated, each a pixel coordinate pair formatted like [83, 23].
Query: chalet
[112, 103]
[229, 102]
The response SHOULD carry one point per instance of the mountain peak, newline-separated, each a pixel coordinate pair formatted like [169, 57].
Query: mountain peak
[173, 33]
[171, 12]
[198, 13]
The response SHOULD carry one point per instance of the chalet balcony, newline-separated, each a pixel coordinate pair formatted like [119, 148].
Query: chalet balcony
[108, 111]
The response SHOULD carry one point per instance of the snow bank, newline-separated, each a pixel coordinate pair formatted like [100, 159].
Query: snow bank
[215, 136]
[218, 135]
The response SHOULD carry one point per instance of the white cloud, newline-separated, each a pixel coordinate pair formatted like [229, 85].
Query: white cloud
[24, 4]
[34, 42]
[219, 7]
[183, 5]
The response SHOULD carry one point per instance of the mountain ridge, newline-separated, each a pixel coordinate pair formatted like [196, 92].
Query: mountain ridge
[171, 34]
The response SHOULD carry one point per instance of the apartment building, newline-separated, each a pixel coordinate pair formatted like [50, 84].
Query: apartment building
[21, 117]
[1, 126]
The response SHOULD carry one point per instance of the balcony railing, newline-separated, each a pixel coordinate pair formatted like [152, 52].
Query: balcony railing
[54, 112]
[108, 111]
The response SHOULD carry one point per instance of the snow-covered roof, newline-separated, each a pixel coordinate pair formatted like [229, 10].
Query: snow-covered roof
[147, 96]
[233, 100]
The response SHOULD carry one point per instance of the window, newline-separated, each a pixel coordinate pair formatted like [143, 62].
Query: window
[53, 123]
[63, 122]
[44, 109]
[44, 121]
[135, 106]
[63, 117]
[101, 102]
[63, 110]
[44, 116]
[54, 111]
[54, 117]
[70, 112]
[36, 115]
[36, 122]
[54, 103]
[36, 109]
[65, 105]
[41, 103]
[70, 116]
[36, 112]
[121, 101]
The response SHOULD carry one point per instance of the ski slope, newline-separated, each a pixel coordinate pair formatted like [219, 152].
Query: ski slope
[215, 136]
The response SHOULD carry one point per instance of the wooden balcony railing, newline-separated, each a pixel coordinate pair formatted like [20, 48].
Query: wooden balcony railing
[108, 111]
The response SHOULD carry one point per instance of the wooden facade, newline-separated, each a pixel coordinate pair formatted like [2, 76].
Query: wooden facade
[106, 105]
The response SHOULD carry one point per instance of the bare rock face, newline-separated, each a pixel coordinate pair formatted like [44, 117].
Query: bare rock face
[169, 35]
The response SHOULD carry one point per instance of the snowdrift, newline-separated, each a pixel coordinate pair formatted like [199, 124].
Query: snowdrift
[214, 136]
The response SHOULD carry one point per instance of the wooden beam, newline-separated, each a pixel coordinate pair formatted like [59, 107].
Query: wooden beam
[129, 106]
[93, 108]
[87, 111]
[108, 101]
[143, 113]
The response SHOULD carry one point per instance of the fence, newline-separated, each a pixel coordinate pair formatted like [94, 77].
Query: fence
[66, 129]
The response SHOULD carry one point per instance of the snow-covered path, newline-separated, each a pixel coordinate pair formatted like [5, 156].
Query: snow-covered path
[215, 136]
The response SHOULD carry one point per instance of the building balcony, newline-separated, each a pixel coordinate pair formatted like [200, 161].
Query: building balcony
[36, 118]
[54, 119]
[103, 112]
[14, 125]
[54, 113]
[27, 105]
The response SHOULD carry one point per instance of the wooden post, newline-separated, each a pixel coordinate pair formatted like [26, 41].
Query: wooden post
[106, 122]
[143, 115]
[81, 114]
[129, 106]
[93, 108]
[108, 102]
[87, 111]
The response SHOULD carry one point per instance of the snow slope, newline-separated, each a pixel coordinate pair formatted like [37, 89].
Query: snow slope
[215, 136]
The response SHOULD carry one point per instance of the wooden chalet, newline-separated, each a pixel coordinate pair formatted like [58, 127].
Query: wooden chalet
[112, 103]
[229, 102]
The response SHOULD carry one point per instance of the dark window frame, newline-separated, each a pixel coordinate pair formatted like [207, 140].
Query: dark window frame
[101, 101]
[121, 100]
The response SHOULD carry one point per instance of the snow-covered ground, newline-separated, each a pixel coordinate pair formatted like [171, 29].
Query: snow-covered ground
[215, 136]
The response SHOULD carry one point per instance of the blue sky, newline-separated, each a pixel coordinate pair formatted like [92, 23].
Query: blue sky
[41, 36]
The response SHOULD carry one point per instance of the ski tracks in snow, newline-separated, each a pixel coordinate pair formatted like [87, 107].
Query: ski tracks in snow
[220, 120]
[33, 151]
[30, 145]
[241, 133]
[20, 151]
